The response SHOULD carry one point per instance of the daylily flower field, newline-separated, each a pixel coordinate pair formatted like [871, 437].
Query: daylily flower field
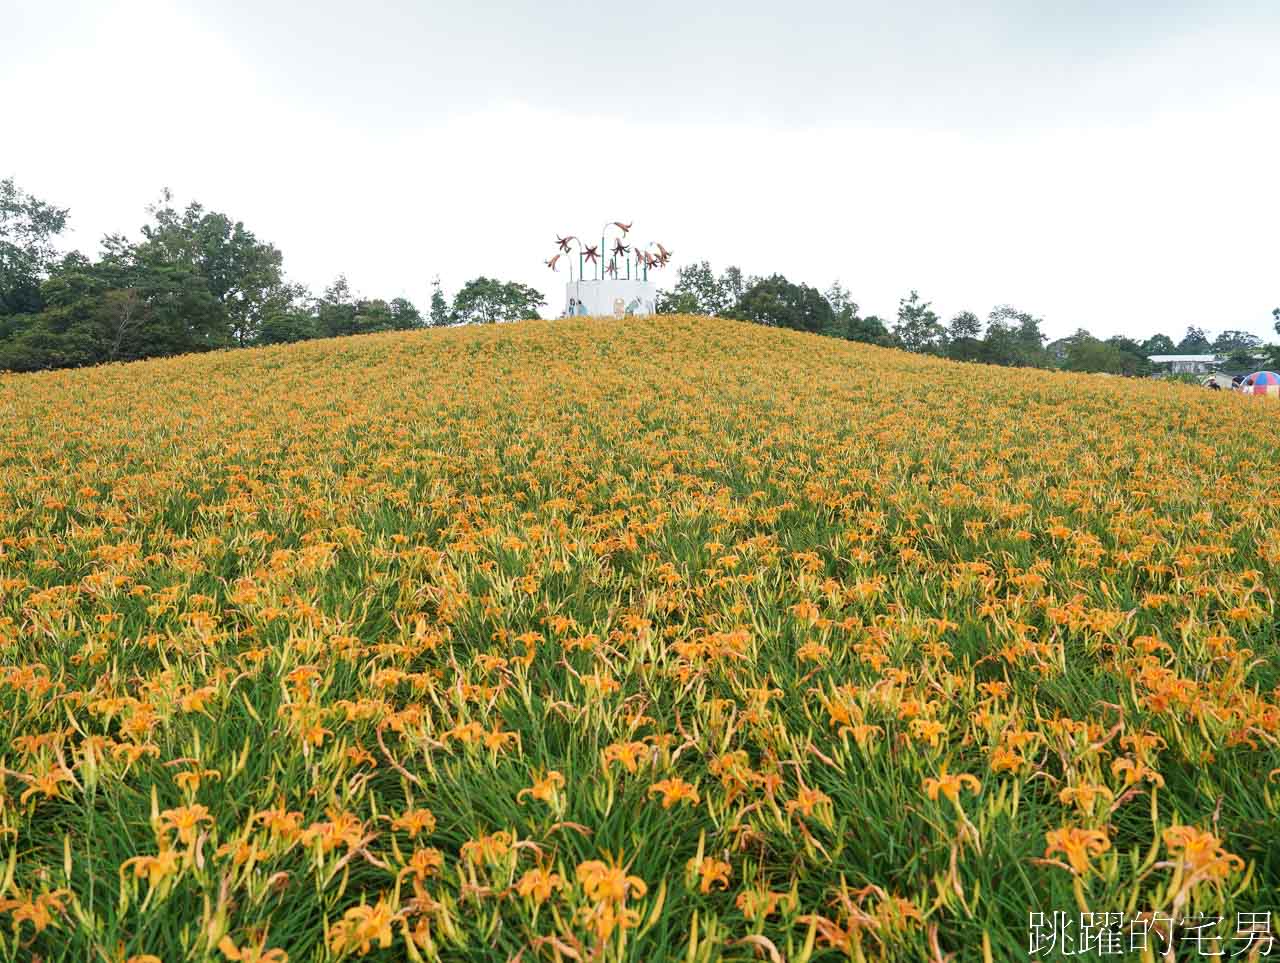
[660, 639]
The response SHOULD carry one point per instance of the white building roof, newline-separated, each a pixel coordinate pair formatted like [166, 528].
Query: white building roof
[1170, 358]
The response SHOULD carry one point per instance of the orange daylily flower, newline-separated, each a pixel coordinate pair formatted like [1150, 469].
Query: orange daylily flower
[674, 791]
[1079, 845]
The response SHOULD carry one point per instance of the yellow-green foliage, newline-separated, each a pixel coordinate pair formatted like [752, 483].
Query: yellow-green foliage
[593, 640]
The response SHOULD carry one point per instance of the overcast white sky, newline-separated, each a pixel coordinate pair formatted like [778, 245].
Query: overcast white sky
[1108, 165]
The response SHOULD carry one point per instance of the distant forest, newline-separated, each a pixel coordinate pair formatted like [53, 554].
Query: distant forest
[1009, 336]
[198, 280]
[195, 280]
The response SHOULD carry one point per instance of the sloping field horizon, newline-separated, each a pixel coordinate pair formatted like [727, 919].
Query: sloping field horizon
[648, 639]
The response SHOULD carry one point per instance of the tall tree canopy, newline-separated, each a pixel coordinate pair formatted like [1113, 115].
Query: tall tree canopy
[339, 313]
[195, 280]
[28, 227]
[439, 316]
[1113, 356]
[918, 328]
[1239, 350]
[1195, 341]
[1014, 338]
[1229, 341]
[780, 303]
[486, 301]
[870, 329]
[962, 337]
[120, 308]
[1159, 344]
[244, 275]
[698, 291]
[848, 324]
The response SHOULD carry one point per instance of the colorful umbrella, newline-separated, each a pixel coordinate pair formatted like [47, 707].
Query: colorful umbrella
[1262, 383]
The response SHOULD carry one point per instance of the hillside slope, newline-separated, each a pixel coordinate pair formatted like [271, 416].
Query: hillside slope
[634, 640]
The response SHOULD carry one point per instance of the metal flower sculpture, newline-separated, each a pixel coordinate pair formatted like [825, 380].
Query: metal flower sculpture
[613, 267]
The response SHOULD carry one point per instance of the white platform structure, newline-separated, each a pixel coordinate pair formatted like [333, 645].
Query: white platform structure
[610, 281]
[611, 297]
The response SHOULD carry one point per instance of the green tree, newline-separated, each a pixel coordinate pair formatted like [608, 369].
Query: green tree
[698, 291]
[700, 281]
[64, 333]
[918, 328]
[693, 293]
[439, 316]
[1195, 341]
[1237, 342]
[336, 310]
[1136, 358]
[375, 314]
[841, 301]
[123, 311]
[339, 313]
[405, 316]
[372, 315]
[963, 342]
[287, 326]
[1242, 360]
[28, 227]
[1159, 344]
[1031, 339]
[779, 303]
[196, 280]
[964, 325]
[120, 308]
[870, 330]
[1126, 344]
[1240, 350]
[1014, 338]
[732, 286]
[848, 324]
[486, 301]
[181, 315]
[843, 310]
[1087, 353]
[244, 274]
[1113, 356]
[677, 302]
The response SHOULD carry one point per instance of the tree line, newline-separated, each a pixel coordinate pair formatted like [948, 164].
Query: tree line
[1009, 336]
[194, 280]
[197, 280]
